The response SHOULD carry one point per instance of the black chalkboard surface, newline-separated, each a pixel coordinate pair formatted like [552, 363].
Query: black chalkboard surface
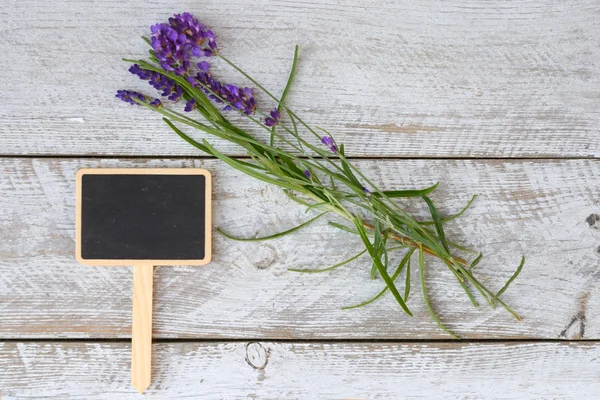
[158, 216]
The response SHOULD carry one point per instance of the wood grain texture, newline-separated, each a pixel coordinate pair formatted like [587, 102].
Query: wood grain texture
[305, 371]
[539, 208]
[141, 327]
[389, 78]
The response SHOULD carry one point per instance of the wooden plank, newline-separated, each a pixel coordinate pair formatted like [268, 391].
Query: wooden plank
[389, 78]
[141, 327]
[543, 209]
[305, 370]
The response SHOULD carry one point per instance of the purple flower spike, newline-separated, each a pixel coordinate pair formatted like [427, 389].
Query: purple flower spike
[193, 32]
[176, 42]
[160, 82]
[367, 191]
[328, 141]
[234, 96]
[273, 119]
[307, 174]
[129, 96]
[172, 50]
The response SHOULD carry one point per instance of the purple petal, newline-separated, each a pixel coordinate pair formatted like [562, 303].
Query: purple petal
[275, 114]
[204, 66]
[326, 140]
[190, 105]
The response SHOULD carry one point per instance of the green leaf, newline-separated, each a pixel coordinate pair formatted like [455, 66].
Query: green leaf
[475, 262]
[438, 224]
[274, 236]
[407, 193]
[313, 271]
[348, 172]
[450, 218]
[316, 205]
[186, 137]
[407, 279]
[433, 315]
[388, 280]
[342, 227]
[248, 171]
[405, 261]
[290, 164]
[459, 276]
[295, 129]
[377, 239]
[492, 296]
[201, 146]
[285, 91]
[512, 278]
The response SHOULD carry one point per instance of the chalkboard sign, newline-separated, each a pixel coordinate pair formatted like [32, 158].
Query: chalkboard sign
[154, 216]
[143, 218]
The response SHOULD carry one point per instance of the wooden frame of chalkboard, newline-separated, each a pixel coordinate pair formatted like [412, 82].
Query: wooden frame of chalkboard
[144, 171]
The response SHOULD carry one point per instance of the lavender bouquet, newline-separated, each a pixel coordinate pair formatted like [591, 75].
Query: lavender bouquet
[315, 173]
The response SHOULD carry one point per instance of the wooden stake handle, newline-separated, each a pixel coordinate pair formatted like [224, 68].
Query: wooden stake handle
[141, 328]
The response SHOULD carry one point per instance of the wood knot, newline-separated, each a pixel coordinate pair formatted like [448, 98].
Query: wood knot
[576, 328]
[264, 256]
[256, 355]
[593, 221]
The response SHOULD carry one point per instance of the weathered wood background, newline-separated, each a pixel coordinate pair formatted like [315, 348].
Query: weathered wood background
[497, 98]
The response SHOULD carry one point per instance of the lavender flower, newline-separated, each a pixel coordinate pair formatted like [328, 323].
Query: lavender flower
[175, 43]
[173, 50]
[273, 119]
[186, 24]
[328, 141]
[307, 174]
[159, 82]
[212, 44]
[367, 191]
[235, 97]
[196, 34]
[129, 96]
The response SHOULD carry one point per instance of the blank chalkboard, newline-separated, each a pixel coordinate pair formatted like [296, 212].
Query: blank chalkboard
[143, 218]
[149, 216]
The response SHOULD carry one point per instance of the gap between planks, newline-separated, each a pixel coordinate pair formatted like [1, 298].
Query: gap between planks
[242, 156]
[306, 341]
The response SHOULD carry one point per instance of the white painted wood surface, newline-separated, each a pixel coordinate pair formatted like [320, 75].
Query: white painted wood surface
[457, 79]
[536, 208]
[395, 78]
[267, 370]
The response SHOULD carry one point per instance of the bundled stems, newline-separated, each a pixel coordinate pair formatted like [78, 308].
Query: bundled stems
[318, 176]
